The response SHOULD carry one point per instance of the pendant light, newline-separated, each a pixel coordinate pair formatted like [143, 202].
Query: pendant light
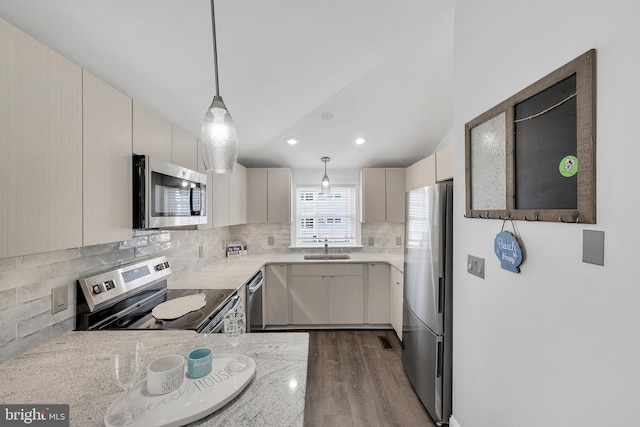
[325, 185]
[218, 136]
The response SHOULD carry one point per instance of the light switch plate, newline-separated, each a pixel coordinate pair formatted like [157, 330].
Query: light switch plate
[59, 299]
[593, 247]
[269, 240]
[475, 266]
[371, 241]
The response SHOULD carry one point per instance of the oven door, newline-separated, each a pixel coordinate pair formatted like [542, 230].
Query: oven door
[167, 195]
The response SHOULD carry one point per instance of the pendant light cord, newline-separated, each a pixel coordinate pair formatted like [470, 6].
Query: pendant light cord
[215, 47]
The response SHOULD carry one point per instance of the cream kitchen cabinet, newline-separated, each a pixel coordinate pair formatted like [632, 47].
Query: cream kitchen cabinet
[184, 148]
[435, 168]
[276, 295]
[151, 133]
[378, 293]
[444, 164]
[396, 279]
[226, 196]
[238, 196]
[268, 195]
[106, 141]
[41, 145]
[327, 294]
[382, 194]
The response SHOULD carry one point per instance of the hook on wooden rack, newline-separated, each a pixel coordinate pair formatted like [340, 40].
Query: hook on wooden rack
[574, 217]
[486, 215]
[507, 217]
[536, 217]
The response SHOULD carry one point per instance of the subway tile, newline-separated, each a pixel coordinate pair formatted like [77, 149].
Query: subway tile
[22, 277]
[21, 346]
[136, 242]
[46, 258]
[63, 327]
[147, 250]
[8, 333]
[8, 298]
[42, 289]
[160, 237]
[25, 311]
[8, 264]
[88, 251]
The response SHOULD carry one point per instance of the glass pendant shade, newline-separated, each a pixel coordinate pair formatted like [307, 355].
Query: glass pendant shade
[218, 138]
[325, 185]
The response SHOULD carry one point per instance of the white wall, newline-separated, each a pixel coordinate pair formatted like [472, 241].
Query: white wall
[559, 343]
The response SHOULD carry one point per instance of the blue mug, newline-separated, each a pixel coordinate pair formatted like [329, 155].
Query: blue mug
[199, 362]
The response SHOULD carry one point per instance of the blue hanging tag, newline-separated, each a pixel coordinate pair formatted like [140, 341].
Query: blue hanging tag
[508, 251]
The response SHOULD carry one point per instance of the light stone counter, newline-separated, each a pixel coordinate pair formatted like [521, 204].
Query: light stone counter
[75, 369]
[232, 273]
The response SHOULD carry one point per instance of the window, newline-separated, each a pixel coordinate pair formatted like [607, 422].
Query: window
[325, 215]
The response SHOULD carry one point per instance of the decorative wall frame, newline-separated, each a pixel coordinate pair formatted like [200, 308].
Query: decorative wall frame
[533, 156]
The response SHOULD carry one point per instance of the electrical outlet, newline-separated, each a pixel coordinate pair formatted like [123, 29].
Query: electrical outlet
[371, 241]
[269, 240]
[59, 299]
[398, 241]
[475, 266]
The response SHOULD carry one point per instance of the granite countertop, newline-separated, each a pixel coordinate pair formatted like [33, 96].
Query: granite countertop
[232, 273]
[75, 369]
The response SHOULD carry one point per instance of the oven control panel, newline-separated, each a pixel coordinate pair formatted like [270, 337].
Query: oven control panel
[104, 288]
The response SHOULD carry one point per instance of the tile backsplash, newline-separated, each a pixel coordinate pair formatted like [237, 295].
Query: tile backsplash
[26, 281]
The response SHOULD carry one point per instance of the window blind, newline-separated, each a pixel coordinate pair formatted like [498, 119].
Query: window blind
[325, 215]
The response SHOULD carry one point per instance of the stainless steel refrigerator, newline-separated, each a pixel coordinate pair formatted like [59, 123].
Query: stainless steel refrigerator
[427, 312]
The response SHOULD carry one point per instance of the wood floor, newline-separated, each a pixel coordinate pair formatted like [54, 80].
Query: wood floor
[353, 381]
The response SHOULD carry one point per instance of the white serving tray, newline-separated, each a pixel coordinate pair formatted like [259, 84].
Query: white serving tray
[195, 399]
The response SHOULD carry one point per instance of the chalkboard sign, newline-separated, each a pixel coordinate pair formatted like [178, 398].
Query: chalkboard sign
[549, 151]
[545, 133]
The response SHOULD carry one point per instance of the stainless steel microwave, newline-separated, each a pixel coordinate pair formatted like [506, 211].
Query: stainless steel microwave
[167, 195]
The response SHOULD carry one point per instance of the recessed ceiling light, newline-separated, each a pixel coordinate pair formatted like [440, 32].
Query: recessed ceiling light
[292, 141]
[361, 140]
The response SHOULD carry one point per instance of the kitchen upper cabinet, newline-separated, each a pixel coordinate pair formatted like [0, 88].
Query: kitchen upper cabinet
[151, 133]
[327, 294]
[444, 164]
[421, 174]
[276, 295]
[238, 196]
[373, 195]
[218, 192]
[394, 186]
[435, 168]
[397, 299]
[41, 145]
[269, 195]
[226, 196]
[184, 148]
[382, 194]
[106, 153]
[378, 293]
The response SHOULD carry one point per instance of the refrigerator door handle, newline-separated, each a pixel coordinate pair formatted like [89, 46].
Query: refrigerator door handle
[440, 294]
[439, 361]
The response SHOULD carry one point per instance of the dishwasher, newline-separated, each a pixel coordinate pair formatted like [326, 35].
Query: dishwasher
[254, 303]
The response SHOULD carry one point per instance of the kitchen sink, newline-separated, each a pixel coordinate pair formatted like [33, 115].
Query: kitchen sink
[327, 256]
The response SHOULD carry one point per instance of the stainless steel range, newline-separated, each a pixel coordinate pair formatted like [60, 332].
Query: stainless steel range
[124, 298]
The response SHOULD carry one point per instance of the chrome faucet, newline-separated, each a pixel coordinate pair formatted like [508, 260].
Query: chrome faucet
[326, 246]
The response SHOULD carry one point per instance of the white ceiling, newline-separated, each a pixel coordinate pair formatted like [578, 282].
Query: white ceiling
[384, 69]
